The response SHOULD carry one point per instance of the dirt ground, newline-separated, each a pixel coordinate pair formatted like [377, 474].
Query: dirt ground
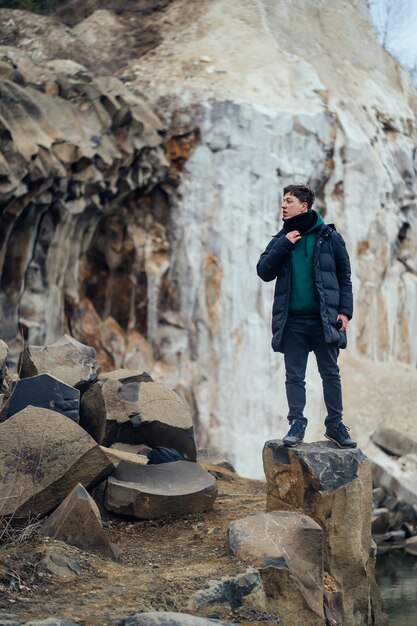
[160, 564]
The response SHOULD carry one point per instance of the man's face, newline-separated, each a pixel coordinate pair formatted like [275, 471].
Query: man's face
[291, 206]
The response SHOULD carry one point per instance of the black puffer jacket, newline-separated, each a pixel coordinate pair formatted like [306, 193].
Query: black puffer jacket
[331, 276]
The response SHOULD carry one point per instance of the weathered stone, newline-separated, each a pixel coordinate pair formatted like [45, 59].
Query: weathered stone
[395, 442]
[43, 456]
[47, 392]
[287, 548]
[154, 491]
[169, 619]
[378, 496]
[214, 457]
[398, 479]
[77, 521]
[333, 486]
[3, 361]
[410, 545]
[67, 359]
[244, 590]
[51, 621]
[129, 407]
[57, 562]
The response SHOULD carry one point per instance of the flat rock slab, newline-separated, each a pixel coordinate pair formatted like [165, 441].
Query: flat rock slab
[45, 391]
[154, 491]
[169, 619]
[43, 455]
[395, 442]
[115, 456]
[77, 522]
[67, 359]
[129, 407]
[287, 547]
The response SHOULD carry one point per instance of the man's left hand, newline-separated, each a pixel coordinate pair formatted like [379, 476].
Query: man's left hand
[344, 320]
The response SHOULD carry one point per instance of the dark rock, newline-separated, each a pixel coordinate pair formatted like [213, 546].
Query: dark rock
[243, 590]
[77, 522]
[391, 503]
[67, 359]
[168, 619]
[129, 407]
[3, 361]
[45, 391]
[44, 456]
[380, 520]
[154, 491]
[396, 519]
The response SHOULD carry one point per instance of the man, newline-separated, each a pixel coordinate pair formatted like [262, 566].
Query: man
[313, 304]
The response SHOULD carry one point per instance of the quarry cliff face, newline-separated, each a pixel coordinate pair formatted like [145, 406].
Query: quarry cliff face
[134, 209]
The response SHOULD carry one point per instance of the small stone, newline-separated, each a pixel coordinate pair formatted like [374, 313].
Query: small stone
[380, 520]
[410, 545]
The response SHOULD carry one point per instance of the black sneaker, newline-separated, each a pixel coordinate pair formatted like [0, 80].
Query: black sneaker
[296, 433]
[340, 435]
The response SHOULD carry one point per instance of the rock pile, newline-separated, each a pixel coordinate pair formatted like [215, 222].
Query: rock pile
[50, 455]
[394, 476]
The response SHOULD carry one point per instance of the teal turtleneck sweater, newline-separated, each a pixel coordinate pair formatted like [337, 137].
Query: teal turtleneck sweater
[303, 300]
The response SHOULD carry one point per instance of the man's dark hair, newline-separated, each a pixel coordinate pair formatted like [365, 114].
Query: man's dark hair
[302, 192]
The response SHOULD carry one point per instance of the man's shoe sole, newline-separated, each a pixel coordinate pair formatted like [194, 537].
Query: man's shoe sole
[291, 445]
[351, 447]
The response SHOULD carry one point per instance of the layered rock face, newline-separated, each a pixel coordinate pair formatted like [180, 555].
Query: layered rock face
[253, 95]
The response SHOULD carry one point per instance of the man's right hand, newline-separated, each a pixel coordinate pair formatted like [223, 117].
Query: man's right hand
[293, 236]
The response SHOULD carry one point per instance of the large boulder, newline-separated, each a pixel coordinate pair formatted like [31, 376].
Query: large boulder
[287, 549]
[333, 486]
[67, 359]
[128, 406]
[77, 521]
[154, 491]
[47, 392]
[43, 457]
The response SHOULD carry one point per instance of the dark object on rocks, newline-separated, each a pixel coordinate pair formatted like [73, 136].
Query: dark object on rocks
[169, 619]
[77, 521]
[334, 487]
[44, 456]
[287, 548]
[47, 392]
[129, 407]
[67, 359]
[154, 491]
[163, 455]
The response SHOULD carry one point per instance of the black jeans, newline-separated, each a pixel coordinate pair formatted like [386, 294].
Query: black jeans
[301, 336]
